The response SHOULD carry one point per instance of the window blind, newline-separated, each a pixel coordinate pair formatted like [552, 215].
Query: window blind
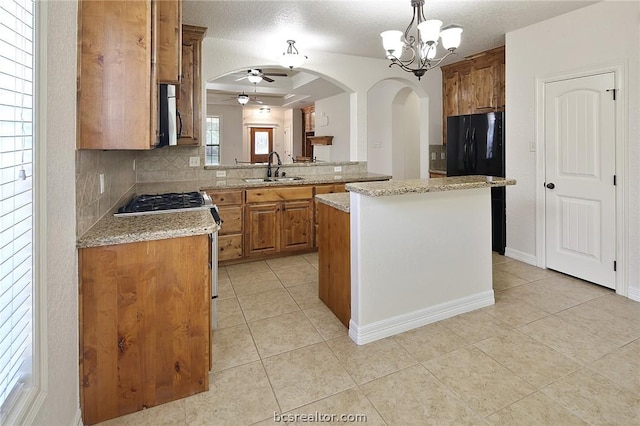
[16, 198]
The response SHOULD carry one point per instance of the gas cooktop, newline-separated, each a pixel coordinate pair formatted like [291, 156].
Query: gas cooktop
[165, 203]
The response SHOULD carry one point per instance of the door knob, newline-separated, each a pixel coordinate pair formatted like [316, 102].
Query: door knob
[550, 185]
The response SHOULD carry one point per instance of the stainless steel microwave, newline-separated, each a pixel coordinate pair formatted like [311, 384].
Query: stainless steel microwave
[169, 120]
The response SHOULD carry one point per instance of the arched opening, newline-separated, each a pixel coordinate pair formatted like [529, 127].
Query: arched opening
[396, 134]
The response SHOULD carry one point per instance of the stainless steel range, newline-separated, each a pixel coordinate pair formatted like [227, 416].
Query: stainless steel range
[171, 202]
[175, 202]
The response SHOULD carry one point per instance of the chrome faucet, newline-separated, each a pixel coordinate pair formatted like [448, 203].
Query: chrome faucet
[277, 172]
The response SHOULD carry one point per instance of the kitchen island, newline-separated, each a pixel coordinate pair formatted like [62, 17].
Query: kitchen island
[420, 251]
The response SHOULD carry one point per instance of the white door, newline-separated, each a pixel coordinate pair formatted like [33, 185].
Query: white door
[580, 210]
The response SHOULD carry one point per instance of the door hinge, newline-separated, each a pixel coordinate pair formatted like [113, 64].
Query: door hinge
[614, 93]
[615, 266]
[614, 180]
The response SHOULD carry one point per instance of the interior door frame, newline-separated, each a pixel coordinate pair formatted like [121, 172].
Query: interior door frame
[622, 165]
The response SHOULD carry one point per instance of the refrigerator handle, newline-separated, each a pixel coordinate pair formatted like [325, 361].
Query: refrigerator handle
[472, 151]
[465, 157]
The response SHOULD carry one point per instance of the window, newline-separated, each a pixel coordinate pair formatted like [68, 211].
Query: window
[16, 202]
[212, 147]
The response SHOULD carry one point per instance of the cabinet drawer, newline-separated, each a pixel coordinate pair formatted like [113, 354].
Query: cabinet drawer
[222, 198]
[229, 247]
[330, 189]
[279, 194]
[231, 219]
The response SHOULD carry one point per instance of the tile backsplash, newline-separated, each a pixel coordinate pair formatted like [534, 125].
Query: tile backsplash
[119, 179]
[168, 164]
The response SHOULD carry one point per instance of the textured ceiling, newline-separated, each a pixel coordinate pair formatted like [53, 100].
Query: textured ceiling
[353, 27]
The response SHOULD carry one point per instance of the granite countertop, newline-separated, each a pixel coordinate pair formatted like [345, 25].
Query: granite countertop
[338, 200]
[306, 180]
[129, 229]
[414, 186]
[118, 230]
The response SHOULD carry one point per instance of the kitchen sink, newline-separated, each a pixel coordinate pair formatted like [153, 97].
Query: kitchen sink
[278, 179]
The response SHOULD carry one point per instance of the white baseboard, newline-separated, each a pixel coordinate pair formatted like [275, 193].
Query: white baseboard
[521, 256]
[394, 325]
[633, 293]
[77, 421]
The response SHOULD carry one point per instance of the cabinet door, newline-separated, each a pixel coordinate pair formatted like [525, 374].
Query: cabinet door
[190, 95]
[483, 80]
[169, 40]
[185, 98]
[450, 93]
[261, 229]
[114, 73]
[465, 91]
[232, 219]
[296, 225]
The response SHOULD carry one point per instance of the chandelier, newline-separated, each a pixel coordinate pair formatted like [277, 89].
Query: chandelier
[291, 58]
[415, 50]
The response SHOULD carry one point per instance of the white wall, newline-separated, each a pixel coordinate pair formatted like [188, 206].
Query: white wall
[601, 35]
[61, 404]
[252, 117]
[231, 131]
[333, 119]
[405, 127]
[220, 57]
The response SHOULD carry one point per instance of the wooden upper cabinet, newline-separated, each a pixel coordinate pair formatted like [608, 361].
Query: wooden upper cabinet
[473, 86]
[190, 94]
[169, 40]
[465, 91]
[115, 81]
[484, 85]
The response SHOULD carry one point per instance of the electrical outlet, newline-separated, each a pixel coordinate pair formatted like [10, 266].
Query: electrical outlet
[433, 155]
[101, 183]
[442, 155]
[337, 169]
[194, 161]
[221, 173]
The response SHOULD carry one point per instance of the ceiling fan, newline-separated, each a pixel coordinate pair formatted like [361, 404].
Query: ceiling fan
[244, 99]
[256, 75]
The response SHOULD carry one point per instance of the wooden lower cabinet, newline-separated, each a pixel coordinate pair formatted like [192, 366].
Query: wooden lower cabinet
[277, 227]
[261, 229]
[324, 189]
[230, 236]
[334, 261]
[144, 324]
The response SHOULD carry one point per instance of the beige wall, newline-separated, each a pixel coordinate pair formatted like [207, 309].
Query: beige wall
[59, 286]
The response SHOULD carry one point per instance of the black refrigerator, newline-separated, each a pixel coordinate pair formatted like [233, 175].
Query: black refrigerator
[475, 146]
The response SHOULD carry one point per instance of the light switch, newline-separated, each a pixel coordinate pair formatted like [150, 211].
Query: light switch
[194, 161]
[433, 155]
[101, 183]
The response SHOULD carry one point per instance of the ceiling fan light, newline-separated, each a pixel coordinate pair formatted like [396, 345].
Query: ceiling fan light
[451, 37]
[430, 30]
[255, 79]
[243, 99]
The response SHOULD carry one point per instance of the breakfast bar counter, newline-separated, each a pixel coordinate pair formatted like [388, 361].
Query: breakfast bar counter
[420, 251]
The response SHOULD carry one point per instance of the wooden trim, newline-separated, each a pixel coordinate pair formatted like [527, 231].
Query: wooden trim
[321, 140]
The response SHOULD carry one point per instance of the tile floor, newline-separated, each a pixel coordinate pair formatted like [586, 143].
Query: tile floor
[553, 350]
